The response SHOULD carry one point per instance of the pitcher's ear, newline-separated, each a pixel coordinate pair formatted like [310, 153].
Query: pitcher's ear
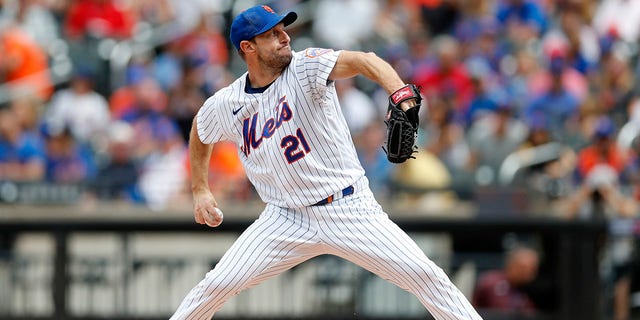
[247, 46]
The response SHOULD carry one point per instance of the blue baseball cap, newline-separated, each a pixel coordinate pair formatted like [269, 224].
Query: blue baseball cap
[255, 21]
[604, 128]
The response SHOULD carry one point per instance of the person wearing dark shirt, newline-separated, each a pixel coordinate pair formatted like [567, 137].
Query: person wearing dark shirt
[502, 290]
[117, 179]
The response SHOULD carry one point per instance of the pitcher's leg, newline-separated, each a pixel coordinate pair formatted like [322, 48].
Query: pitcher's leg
[376, 243]
[271, 245]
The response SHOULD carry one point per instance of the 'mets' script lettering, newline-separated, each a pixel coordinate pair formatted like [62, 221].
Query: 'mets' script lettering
[252, 138]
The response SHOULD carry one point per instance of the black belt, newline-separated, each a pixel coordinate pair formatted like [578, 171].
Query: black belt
[345, 192]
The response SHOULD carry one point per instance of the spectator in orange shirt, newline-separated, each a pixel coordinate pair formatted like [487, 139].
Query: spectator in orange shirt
[23, 63]
[140, 88]
[603, 150]
[602, 195]
[599, 169]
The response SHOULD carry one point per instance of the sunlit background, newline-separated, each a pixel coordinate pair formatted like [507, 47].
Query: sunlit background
[525, 189]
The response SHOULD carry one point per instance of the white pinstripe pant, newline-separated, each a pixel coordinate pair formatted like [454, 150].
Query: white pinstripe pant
[354, 228]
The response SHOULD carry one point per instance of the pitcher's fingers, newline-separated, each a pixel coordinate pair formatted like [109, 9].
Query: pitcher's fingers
[406, 105]
[197, 213]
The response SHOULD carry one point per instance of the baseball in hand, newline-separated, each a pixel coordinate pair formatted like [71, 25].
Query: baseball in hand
[217, 213]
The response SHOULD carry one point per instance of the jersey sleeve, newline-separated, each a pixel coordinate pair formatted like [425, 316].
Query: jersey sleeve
[314, 65]
[210, 127]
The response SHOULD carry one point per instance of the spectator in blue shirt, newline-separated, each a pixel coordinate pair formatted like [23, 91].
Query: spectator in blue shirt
[21, 156]
[373, 159]
[522, 12]
[557, 104]
[67, 161]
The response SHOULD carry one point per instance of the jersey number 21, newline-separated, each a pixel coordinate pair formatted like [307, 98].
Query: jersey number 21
[291, 145]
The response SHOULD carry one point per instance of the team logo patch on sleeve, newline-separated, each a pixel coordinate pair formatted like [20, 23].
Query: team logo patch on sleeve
[316, 52]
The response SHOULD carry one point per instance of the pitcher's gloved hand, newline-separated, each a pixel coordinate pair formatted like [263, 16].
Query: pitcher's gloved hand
[402, 125]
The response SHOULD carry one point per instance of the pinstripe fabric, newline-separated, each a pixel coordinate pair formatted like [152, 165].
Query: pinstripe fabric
[357, 229]
[354, 228]
[278, 240]
[295, 146]
[330, 165]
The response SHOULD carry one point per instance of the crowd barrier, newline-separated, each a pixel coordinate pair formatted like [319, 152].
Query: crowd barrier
[139, 265]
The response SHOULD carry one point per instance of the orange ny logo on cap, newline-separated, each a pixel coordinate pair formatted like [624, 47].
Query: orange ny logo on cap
[268, 9]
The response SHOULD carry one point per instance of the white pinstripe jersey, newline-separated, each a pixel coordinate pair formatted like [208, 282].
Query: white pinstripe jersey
[293, 140]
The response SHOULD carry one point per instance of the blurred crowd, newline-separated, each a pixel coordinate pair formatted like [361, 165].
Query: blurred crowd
[533, 94]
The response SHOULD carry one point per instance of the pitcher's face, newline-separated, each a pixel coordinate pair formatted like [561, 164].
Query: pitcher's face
[273, 47]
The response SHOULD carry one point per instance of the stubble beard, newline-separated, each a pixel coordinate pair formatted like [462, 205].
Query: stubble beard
[276, 62]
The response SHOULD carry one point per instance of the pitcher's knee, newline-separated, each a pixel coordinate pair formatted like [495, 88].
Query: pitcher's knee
[207, 296]
[220, 286]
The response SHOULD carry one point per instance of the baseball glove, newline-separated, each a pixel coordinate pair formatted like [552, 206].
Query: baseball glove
[402, 127]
